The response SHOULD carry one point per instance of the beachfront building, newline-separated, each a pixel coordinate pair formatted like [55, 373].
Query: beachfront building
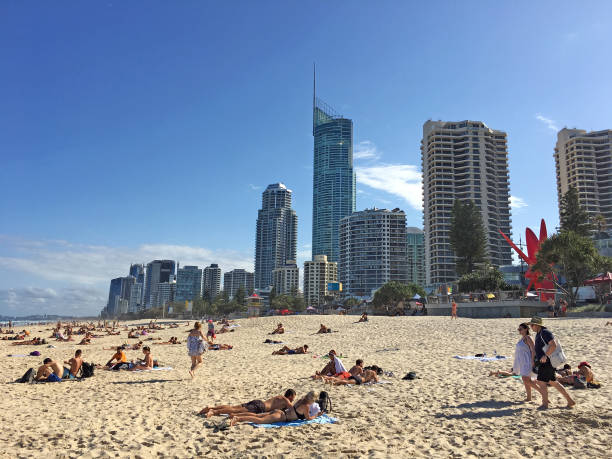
[138, 272]
[135, 301]
[463, 160]
[583, 161]
[119, 291]
[237, 278]
[286, 279]
[318, 273]
[276, 238]
[415, 255]
[158, 271]
[188, 284]
[333, 191]
[211, 284]
[373, 247]
[164, 294]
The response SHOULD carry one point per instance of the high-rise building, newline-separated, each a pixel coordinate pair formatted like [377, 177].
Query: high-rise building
[158, 271]
[237, 278]
[276, 239]
[318, 273]
[373, 247]
[463, 160]
[163, 294]
[583, 161]
[333, 190]
[188, 284]
[135, 302]
[415, 255]
[138, 271]
[286, 279]
[120, 289]
[211, 286]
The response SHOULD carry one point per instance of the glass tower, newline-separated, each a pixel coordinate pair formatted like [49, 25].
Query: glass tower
[333, 194]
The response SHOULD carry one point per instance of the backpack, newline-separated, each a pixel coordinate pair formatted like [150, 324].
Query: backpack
[325, 402]
[87, 370]
[28, 377]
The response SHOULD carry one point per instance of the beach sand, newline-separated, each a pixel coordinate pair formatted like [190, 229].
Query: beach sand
[453, 410]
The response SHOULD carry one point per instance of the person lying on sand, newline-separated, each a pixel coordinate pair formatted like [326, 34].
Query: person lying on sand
[366, 377]
[49, 369]
[75, 365]
[279, 402]
[172, 340]
[279, 330]
[147, 364]
[287, 351]
[363, 318]
[584, 373]
[271, 341]
[502, 373]
[301, 411]
[324, 329]
[33, 342]
[333, 368]
[220, 347]
[119, 358]
[226, 329]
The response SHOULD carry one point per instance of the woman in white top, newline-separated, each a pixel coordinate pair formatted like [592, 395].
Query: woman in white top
[523, 359]
[195, 347]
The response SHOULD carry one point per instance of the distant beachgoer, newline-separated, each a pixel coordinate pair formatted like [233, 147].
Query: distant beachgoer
[366, 377]
[287, 351]
[584, 373]
[147, 364]
[75, 365]
[363, 318]
[196, 346]
[324, 329]
[299, 411]
[279, 330]
[211, 329]
[546, 372]
[453, 310]
[279, 402]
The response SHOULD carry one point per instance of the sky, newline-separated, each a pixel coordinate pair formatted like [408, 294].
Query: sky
[131, 131]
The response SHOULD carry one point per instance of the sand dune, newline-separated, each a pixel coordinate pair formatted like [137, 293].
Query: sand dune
[453, 410]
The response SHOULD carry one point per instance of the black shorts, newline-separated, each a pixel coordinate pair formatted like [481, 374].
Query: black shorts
[255, 406]
[357, 379]
[546, 372]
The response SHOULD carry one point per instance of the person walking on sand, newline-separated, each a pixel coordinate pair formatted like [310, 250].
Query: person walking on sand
[546, 372]
[195, 347]
[453, 309]
[524, 355]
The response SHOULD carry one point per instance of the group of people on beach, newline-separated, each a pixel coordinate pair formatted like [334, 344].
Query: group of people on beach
[52, 371]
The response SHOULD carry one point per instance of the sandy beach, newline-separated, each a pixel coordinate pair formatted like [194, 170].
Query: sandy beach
[452, 410]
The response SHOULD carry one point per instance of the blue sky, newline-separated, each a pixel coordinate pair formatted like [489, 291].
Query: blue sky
[136, 130]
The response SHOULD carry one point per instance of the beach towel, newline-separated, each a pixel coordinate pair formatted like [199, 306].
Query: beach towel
[481, 359]
[155, 369]
[324, 419]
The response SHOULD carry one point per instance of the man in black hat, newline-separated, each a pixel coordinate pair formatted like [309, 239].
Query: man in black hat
[546, 372]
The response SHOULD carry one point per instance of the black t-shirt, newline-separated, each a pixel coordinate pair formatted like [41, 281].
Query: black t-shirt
[543, 337]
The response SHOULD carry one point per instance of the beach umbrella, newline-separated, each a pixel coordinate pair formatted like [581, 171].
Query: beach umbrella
[602, 278]
[490, 295]
[339, 308]
[416, 297]
[311, 308]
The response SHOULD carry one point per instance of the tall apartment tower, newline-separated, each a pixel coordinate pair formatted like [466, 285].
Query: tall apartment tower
[158, 272]
[333, 190]
[584, 161]
[317, 274]
[373, 248]
[211, 285]
[286, 279]
[136, 301]
[119, 295]
[188, 284]
[463, 160]
[415, 255]
[236, 278]
[276, 238]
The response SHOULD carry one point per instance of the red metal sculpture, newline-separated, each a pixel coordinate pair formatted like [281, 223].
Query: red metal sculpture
[544, 287]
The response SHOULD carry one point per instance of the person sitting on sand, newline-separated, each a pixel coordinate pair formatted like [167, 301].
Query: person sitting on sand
[584, 373]
[119, 357]
[75, 365]
[324, 329]
[279, 330]
[136, 346]
[299, 411]
[49, 371]
[226, 329]
[287, 351]
[147, 363]
[279, 402]
[333, 368]
[86, 339]
[133, 334]
[363, 318]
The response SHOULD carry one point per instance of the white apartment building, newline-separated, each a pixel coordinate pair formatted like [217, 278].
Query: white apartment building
[583, 161]
[286, 279]
[463, 160]
[317, 274]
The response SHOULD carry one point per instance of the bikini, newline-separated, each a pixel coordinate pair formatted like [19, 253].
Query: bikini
[297, 415]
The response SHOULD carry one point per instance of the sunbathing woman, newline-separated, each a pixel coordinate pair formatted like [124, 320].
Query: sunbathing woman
[279, 330]
[279, 402]
[147, 364]
[584, 373]
[324, 329]
[363, 318]
[286, 351]
[301, 411]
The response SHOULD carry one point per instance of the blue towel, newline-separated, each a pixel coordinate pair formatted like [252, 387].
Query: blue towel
[324, 419]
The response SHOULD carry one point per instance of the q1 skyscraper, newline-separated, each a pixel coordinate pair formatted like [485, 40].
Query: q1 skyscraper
[333, 191]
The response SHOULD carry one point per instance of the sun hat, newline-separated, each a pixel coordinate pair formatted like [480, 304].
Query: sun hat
[536, 321]
[584, 364]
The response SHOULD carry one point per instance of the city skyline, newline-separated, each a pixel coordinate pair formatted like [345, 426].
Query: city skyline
[83, 102]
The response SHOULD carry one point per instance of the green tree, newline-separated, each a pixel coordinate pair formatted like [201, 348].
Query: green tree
[240, 296]
[600, 224]
[573, 216]
[298, 304]
[467, 236]
[392, 293]
[487, 278]
[351, 301]
[572, 256]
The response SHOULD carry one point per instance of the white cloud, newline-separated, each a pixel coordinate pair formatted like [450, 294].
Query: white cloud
[517, 203]
[366, 150]
[65, 301]
[254, 187]
[550, 124]
[403, 180]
